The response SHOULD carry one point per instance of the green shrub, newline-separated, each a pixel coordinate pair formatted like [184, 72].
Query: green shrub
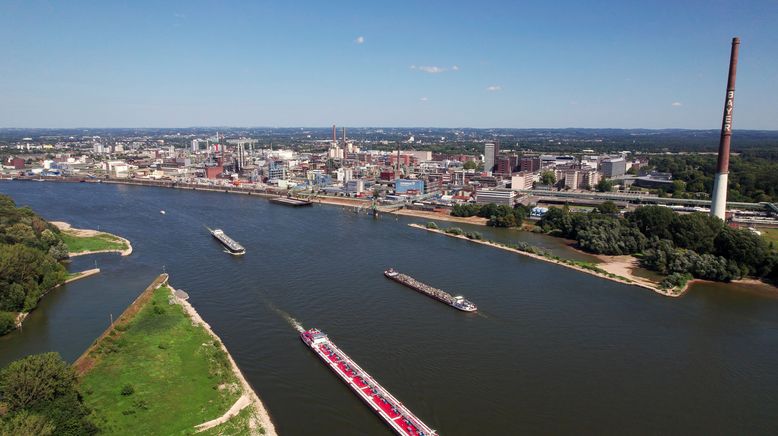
[432, 225]
[127, 390]
[7, 322]
[675, 280]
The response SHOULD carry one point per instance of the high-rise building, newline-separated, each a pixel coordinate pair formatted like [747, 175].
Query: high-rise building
[504, 166]
[529, 163]
[614, 167]
[489, 157]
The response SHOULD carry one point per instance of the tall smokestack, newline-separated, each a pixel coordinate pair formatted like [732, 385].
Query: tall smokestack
[718, 206]
[344, 136]
[334, 134]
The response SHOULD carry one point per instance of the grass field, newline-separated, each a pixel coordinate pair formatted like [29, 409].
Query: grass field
[159, 374]
[771, 235]
[238, 425]
[102, 241]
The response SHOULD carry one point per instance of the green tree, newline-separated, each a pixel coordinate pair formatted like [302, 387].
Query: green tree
[7, 322]
[653, 221]
[696, 231]
[465, 210]
[747, 249]
[604, 185]
[548, 178]
[25, 423]
[44, 385]
[34, 380]
[470, 165]
[607, 208]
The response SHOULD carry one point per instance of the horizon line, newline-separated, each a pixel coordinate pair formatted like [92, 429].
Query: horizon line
[386, 127]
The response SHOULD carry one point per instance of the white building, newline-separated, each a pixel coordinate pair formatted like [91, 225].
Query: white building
[499, 196]
[523, 180]
[117, 168]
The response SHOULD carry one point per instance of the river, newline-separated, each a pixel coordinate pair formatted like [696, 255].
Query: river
[551, 351]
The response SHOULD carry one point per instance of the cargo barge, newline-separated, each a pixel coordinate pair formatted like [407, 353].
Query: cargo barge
[387, 407]
[230, 244]
[457, 302]
[288, 201]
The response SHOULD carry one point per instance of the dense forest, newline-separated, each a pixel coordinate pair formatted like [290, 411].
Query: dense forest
[38, 397]
[30, 251]
[692, 245]
[753, 175]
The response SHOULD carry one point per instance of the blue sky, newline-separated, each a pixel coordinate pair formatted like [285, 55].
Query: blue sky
[417, 63]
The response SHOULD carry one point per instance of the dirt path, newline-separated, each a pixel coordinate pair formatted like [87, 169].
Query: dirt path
[243, 402]
[478, 221]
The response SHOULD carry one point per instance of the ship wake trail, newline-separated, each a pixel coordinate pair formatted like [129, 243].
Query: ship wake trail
[289, 319]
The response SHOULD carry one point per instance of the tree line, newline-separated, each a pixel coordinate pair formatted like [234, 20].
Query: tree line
[696, 244]
[30, 253]
[498, 216]
[753, 176]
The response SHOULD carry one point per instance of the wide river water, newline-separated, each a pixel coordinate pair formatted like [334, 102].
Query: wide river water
[551, 351]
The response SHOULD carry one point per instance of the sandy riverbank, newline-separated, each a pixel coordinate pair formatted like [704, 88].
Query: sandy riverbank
[441, 216]
[82, 275]
[249, 397]
[627, 280]
[67, 228]
[342, 201]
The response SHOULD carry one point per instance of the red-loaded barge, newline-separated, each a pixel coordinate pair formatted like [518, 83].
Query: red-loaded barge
[392, 411]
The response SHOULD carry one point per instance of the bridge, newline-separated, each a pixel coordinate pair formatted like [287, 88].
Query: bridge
[644, 199]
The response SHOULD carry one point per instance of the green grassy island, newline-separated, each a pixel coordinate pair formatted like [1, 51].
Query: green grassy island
[80, 241]
[100, 242]
[159, 370]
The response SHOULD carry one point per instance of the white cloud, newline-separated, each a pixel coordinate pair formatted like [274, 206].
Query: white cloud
[360, 39]
[677, 103]
[494, 88]
[424, 99]
[432, 69]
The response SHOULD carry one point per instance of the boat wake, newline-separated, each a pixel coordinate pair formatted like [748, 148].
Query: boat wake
[289, 319]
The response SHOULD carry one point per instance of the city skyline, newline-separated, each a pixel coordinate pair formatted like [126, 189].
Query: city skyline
[432, 65]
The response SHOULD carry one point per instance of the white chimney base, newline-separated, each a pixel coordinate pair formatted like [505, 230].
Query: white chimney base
[719, 204]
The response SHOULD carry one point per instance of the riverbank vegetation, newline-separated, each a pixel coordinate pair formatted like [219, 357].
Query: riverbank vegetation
[687, 246]
[157, 372]
[530, 250]
[39, 397]
[30, 251]
[498, 216]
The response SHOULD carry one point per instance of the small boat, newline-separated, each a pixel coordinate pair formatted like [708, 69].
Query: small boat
[162, 212]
